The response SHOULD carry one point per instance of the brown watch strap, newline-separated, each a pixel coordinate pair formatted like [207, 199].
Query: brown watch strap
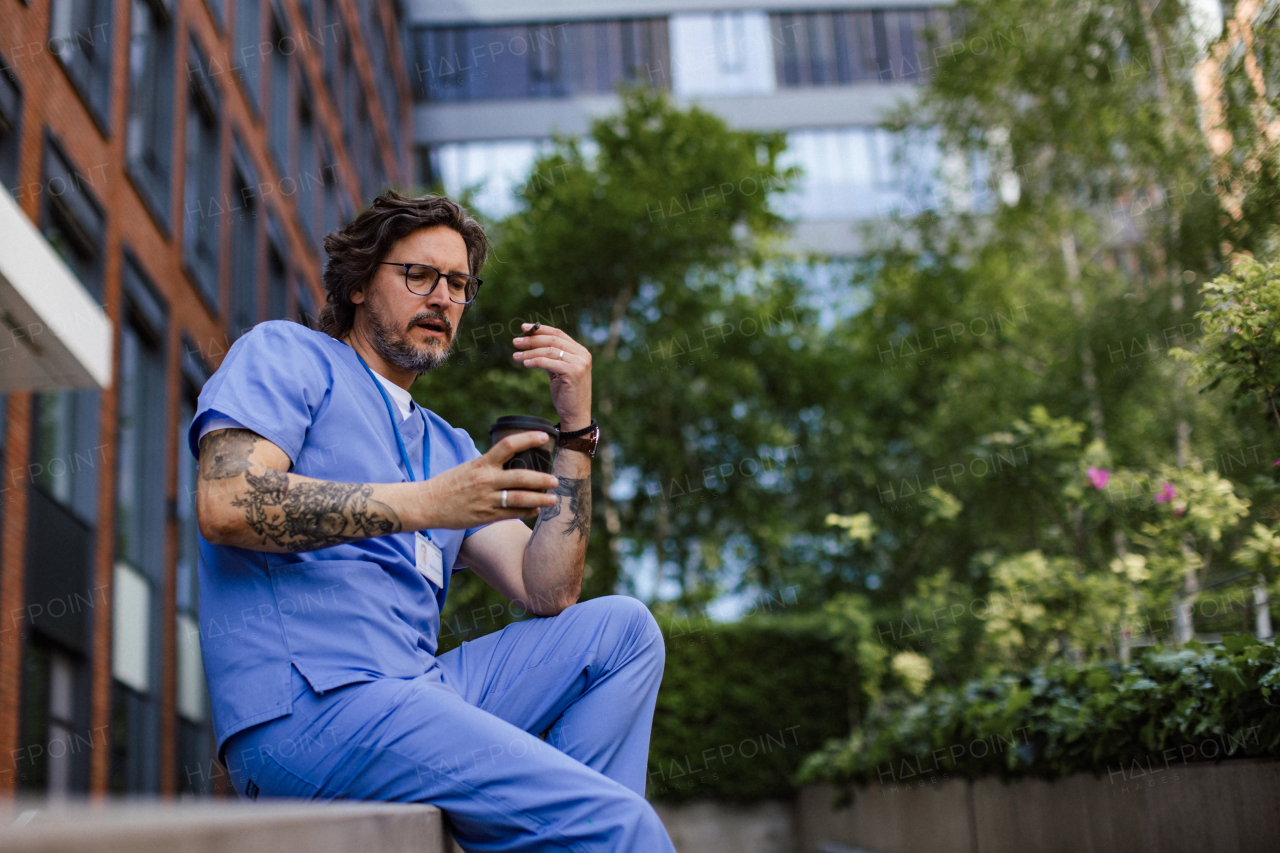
[582, 443]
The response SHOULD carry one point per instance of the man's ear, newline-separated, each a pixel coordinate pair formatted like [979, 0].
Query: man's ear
[357, 295]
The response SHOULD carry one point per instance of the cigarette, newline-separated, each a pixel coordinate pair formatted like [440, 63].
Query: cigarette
[534, 328]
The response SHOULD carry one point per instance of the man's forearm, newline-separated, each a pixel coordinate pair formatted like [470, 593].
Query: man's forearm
[247, 504]
[554, 557]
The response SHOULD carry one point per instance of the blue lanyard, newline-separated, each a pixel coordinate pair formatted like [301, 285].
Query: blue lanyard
[395, 426]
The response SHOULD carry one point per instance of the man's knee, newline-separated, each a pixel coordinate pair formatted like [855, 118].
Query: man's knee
[633, 816]
[649, 819]
[632, 613]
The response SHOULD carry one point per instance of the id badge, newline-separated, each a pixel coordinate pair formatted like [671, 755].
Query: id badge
[429, 559]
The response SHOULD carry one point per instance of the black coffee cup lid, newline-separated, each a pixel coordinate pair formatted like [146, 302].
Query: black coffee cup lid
[523, 422]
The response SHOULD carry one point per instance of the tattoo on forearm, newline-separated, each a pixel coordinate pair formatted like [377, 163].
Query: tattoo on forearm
[579, 494]
[225, 454]
[301, 516]
[304, 516]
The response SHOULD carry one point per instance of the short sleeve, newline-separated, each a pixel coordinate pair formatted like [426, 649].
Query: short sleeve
[271, 382]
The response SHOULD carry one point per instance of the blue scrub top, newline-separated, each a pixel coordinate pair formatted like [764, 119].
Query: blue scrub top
[340, 615]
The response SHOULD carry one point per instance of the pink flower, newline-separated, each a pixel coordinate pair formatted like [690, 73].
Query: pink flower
[1167, 493]
[1274, 464]
[1099, 477]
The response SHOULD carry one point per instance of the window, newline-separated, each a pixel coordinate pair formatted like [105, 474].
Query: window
[494, 168]
[10, 116]
[149, 127]
[219, 10]
[859, 173]
[278, 120]
[364, 151]
[730, 30]
[331, 191]
[277, 272]
[387, 82]
[835, 48]
[308, 176]
[140, 508]
[330, 26]
[80, 36]
[195, 372]
[248, 49]
[540, 61]
[66, 452]
[349, 93]
[54, 715]
[194, 753]
[715, 54]
[304, 305]
[141, 522]
[203, 209]
[244, 246]
[62, 511]
[71, 218]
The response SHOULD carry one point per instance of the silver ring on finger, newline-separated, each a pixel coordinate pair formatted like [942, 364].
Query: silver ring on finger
[504, 498]
[561, 355]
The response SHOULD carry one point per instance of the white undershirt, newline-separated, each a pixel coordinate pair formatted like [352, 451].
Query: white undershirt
[401, 397]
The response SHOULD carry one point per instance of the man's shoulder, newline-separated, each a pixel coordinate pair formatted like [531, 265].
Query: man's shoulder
[285, 339]
[291, 332]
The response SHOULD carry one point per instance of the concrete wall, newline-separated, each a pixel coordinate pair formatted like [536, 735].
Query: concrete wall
[767, 827]
[1232, 807]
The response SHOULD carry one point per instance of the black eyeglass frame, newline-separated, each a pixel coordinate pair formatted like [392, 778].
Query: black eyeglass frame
[434, 284]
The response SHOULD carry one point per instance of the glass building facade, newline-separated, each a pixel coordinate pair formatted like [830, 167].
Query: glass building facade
[851, 172]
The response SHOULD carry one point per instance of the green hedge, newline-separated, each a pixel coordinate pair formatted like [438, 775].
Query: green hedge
[1168, 708]
[740, 707]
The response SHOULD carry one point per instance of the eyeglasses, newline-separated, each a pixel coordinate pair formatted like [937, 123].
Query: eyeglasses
[422, 279]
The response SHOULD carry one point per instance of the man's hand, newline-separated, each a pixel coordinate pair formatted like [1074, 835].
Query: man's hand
[569, 365]
[471, 494]
[543, 570]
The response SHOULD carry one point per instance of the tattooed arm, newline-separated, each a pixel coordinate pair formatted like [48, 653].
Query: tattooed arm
[246, 497]
[541, 571]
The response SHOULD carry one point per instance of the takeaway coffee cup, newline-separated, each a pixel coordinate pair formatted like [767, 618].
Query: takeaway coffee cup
[535, 458]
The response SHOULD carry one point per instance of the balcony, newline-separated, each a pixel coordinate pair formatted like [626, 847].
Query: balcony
[53, 334]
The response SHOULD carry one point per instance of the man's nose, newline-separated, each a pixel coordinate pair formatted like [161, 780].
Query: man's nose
[438, 298]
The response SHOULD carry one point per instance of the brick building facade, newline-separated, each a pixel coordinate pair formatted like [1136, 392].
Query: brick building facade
[182, 159]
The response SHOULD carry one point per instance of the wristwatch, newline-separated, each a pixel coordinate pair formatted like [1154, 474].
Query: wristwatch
[583, 440]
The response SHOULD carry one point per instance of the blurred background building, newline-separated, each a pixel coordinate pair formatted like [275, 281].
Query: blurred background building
[495, 79]
[169, 168]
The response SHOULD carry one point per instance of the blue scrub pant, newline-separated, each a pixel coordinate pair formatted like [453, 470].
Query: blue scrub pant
[462, 736]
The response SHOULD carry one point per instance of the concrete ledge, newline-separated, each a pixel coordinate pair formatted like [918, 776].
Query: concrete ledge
[280, 826]
[1202, 807]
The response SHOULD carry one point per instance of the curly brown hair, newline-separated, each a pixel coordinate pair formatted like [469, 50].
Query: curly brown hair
[355, 251]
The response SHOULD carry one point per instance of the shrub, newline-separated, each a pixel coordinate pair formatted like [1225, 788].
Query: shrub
[740, 707]
[1060, 719]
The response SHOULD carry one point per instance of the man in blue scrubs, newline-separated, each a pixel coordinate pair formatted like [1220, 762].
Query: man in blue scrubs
[333, 510]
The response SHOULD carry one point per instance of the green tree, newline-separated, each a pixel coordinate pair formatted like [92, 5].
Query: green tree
[654, 243]
[1240, 344]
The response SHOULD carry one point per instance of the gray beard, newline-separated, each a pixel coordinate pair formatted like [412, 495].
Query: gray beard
[396, 348]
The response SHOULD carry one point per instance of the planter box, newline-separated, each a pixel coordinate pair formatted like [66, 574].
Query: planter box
[1227, 807]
